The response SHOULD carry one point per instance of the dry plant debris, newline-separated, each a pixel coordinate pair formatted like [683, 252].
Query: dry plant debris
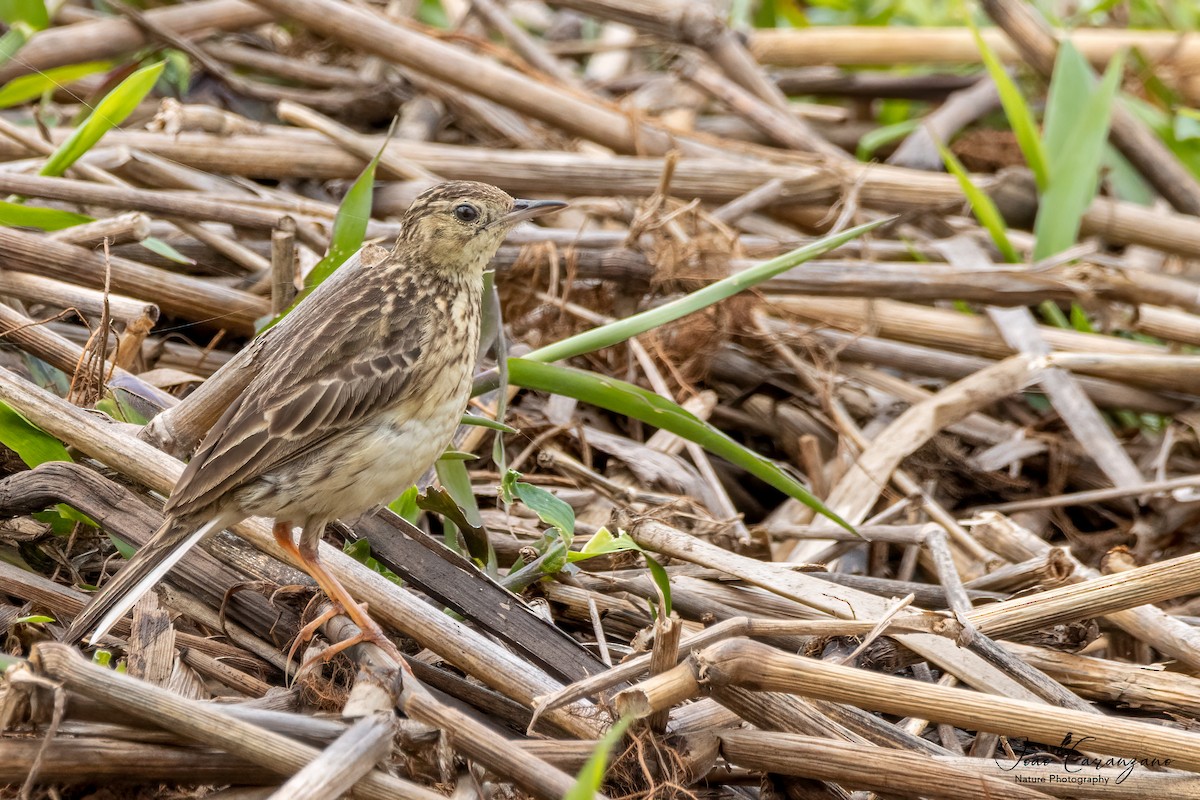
[1015, 613]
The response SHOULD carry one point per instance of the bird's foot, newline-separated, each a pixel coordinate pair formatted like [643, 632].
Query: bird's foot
[369, 631]
[306, 633]
[372, 633]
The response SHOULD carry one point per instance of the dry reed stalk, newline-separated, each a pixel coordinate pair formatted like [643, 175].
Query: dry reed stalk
[854, 496]
[120, 229]
[1150, 624]
[857, 349]
[60, 294]
[1146, 687]
[370, 32]
[944, 329]
[300, 155]
[97, 40]
[192, 205]
[830, 44]
[756, 666]
[1178, 372]
[342, 764]
[199, 721]
[36, 338]
[1153, 583]
[833, 600]
[865, 767]
[207, 303]
[92, 760]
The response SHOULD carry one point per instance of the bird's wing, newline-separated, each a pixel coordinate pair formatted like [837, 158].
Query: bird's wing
[304, 396]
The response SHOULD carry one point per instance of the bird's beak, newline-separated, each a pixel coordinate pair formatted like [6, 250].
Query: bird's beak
[528, 209]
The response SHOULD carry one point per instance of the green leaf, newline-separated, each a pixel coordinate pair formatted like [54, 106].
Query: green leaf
[349, 230]
[405, 506]
[13, 41]
[1020, 118]
[1077, 119]
[458, 515]
[633, 401]
[453, 476]
[30, 442]
[981, 205]
[30, 87]
[590, 778]
[30, 12]
[108, 114]
[620, 330]
[360, 551]
[550, 509]
[156, 245]
[1187, 124]
[487, 422]
[15, 215]
[349, 226]
[457, 455]
[508, 485]
[1162, 123]
[661, 580]
[34, 619]
[35, 447]
[603, 543]
[178, 74]
[874, 139]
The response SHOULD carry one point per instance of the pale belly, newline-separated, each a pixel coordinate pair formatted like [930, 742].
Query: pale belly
[359, 470]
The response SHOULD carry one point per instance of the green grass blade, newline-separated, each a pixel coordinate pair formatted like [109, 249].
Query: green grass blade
[588, 782]
[982, 206]
[349, 230]
[633, 401]
[108, 114]
[30, 87]
[156, 245]
[487, 422]
[1070, 85]
[349, 226]
[13, 41]
[15, 215]
[623, 329]
[1016, 108]
[1077, 119]
[883, 135]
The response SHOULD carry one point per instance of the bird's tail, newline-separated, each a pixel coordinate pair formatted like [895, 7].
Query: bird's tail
[154, 560]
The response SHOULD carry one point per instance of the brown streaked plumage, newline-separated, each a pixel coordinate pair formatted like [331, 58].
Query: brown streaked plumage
[362, 387]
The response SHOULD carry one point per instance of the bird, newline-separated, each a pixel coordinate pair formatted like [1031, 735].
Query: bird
[362, 387]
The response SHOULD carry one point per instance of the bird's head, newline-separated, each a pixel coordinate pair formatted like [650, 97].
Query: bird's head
[457, 227]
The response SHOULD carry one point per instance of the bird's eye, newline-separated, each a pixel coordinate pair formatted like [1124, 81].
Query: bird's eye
[466, 212]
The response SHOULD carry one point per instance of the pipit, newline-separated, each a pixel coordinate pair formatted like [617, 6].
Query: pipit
[362, 388]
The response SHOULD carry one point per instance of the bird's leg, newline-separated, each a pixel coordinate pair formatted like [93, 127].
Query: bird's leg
[283, 538]
[310, 540]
